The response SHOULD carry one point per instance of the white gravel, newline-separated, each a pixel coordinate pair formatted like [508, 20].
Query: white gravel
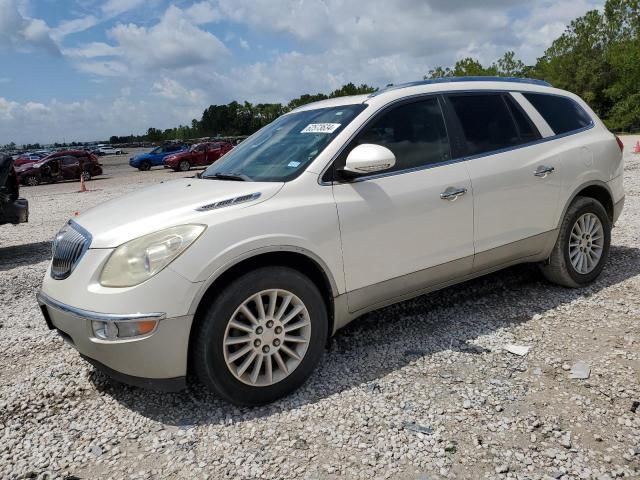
[419, 390]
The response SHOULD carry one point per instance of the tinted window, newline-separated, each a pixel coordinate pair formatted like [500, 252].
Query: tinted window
[414, 132]
[561, 113]
[69, 160]
[527, 130]
[486, 122]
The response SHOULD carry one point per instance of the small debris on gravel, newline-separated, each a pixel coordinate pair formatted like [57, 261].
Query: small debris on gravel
[418, 390]
[580, 371]
[520, 350]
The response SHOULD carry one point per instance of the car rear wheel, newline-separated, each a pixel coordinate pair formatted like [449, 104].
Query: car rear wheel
[31, 181]
[184, 166]
[144, 165]
[582, 247]
[261, 337]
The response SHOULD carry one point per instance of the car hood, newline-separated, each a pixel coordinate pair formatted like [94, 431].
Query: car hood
[165, 205]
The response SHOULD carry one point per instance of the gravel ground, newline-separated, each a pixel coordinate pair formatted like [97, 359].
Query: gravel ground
[419, 390]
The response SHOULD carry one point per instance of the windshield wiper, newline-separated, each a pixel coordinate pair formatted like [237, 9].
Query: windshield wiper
[238, 177]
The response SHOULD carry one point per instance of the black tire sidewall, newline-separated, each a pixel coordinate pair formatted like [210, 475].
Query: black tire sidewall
[594, 207]
[184, 169]
[211, 367]
[145, 165]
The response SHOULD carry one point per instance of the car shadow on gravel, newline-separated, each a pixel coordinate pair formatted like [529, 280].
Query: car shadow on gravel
[23, 255]
[362, 353]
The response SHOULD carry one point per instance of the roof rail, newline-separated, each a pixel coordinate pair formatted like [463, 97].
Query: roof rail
[530, 81]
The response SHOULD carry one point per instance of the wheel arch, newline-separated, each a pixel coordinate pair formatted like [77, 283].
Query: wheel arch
[596, 189]
[294, 257]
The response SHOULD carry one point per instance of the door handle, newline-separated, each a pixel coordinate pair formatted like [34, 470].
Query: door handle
[452, 193]
[542, 171]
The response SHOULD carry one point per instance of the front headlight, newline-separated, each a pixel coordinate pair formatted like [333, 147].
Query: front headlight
[140, 259]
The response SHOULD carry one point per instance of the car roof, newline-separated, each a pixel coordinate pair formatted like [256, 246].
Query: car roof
[447, 84]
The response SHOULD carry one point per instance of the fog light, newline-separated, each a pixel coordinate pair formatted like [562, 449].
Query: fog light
[115, 330]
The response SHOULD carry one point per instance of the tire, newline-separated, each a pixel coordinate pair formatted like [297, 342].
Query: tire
[86, 175]
[184, 166]
[213, 361]
[31, 181]
[144, 166]
[559, 268]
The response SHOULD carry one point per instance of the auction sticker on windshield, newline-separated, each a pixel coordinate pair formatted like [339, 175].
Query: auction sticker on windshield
[321, 128]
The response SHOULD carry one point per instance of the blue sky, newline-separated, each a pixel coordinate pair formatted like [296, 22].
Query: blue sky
[88, 69]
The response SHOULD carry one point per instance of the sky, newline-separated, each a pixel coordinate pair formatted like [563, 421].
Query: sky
[87, 69]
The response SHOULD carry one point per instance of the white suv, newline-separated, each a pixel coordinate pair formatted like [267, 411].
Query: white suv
[340, 207]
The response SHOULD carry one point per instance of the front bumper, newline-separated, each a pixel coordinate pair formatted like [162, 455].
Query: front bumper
[16, 212]
[157, 360]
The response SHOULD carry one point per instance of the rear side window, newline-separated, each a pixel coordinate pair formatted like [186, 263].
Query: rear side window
[414, 132]
[561, 113]
[486, 122]
[527, 130]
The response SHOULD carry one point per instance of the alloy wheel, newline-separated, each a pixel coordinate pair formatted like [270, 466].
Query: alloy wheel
[267, 337]
[586, 243]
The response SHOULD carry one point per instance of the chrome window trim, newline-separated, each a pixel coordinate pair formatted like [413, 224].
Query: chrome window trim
[44, 299]
[456, 160]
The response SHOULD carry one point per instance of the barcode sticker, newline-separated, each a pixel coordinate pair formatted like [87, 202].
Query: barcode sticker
[321, 128]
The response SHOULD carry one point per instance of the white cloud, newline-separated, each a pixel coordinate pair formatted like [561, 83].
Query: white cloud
[75, 25]
[203, 12]
[244, 44]
[116, 7]
[172, 43]
[19, 31]
[92, 50]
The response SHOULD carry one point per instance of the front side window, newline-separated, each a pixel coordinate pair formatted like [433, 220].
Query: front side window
[283, 149]
[561, 113]
[415, 132]
[486, 122]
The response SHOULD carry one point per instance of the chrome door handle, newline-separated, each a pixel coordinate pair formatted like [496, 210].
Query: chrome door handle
[452, 193]
[542, 171]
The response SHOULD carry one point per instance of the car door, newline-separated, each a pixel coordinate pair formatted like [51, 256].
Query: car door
[214, 153]
[70, 167]
[515, 183]
[411, 227]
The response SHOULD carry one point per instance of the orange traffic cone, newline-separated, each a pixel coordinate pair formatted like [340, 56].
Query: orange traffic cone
[637, 149]
[83, 187]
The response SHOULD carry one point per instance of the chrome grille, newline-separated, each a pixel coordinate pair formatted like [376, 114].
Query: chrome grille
[68, 247]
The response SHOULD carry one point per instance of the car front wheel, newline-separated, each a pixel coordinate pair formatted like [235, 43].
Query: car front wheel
[144, 165]
[582, 247]
[31, 181]
[184, 166]
[261, 337]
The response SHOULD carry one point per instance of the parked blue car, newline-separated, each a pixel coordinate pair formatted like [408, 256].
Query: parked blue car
[154, 158]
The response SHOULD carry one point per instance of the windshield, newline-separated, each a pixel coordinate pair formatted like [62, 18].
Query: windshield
[283, 149]
[156, 150]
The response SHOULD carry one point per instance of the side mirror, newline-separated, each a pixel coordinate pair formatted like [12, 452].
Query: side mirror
[369, 158]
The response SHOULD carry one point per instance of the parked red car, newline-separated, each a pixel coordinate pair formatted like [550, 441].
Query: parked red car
[199, 155]
[50, 170]
[79, 154]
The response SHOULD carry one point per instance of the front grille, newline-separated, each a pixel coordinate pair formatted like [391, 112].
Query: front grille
[68, 247]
